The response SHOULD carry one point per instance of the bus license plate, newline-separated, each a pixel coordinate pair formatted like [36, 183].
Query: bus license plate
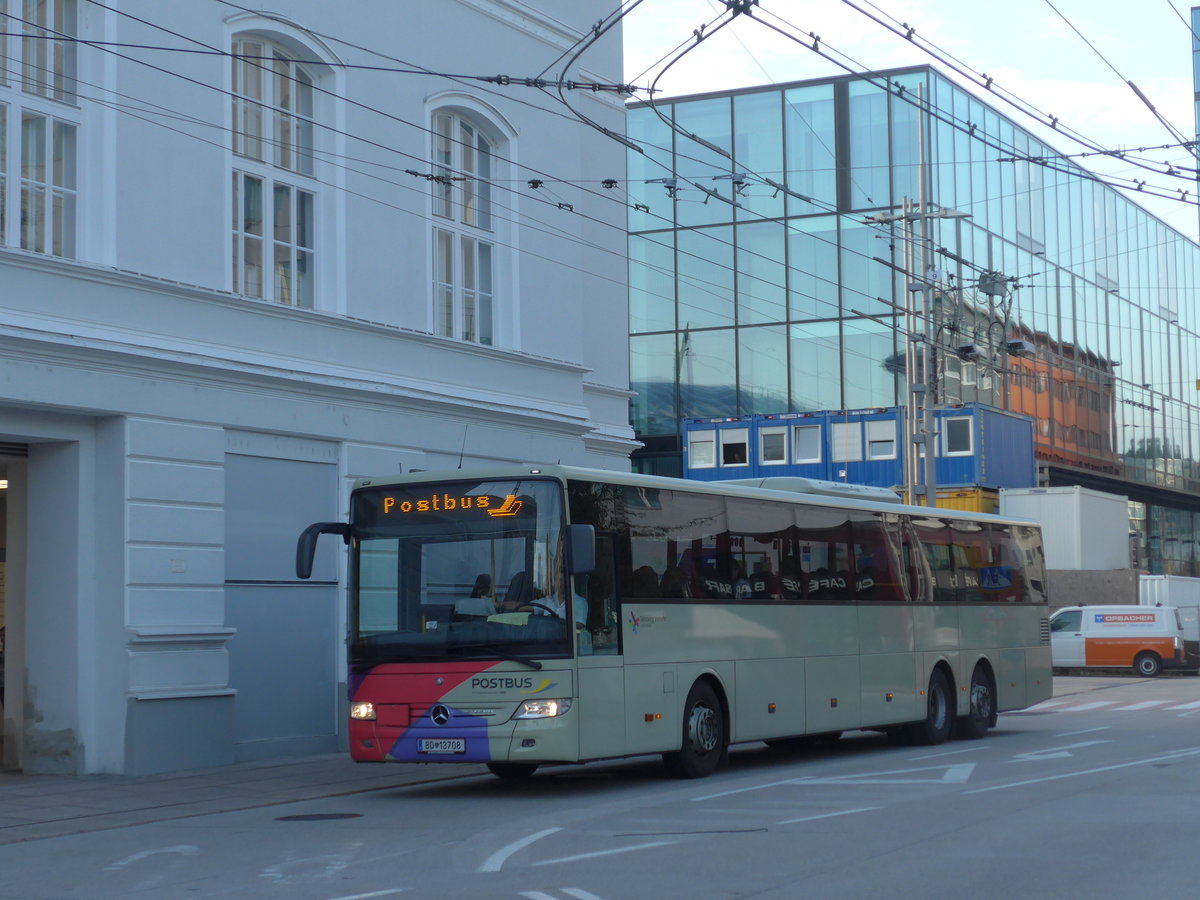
[441, 745]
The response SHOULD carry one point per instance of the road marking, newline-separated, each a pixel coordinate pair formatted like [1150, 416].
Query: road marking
[1084, 731]
[957, 773]
[1054, 752]
[1145, 704]
[1087, 706]
[178, 850]
[496, 860]
[757, 787]
[372, 894]
[595, 853]
[1193, 705]
[1046, 704]
[538, 895]
[844, 812]
[946, 753]
[580, 894]
[1169, 757]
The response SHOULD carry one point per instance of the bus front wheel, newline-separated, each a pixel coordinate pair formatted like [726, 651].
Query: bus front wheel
[704, 736]
[512, 771]
[1147, 664]
[939, 713]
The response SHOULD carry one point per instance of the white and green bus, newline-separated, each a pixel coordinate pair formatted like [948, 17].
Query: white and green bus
[528, 616]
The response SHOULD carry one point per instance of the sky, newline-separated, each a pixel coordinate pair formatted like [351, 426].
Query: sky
[1024, 45]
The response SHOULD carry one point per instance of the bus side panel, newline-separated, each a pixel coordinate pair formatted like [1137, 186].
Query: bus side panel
[832, 693]
[1039, 683]
[1012, 684]
[601, 709]
[886, 665]
[769, 699]
[652, 708]
[935, 627]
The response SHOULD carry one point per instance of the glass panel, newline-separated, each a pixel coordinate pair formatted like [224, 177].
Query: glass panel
[816, 366]
[654, 368]
[483, 184]
[652, 207]
[710, 120]
[758, 148]
[868, 366]
[813, 268]
[443, 161]
[484, 313]
[467, 249]
[305, 281]
[762, 370]
[443, 284]
[252, 211]
[283, 213]
[304, 218]
[773, 446]
[283, 274]
[811, 165]
[869, 181]
[760, 273]
[706, 290]
[806, 443]
[652, 282]
[701, 450]
[707, 381]
[253, 266]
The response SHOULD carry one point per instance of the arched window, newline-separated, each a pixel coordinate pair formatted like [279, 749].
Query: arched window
[274, 193]
[464, 242]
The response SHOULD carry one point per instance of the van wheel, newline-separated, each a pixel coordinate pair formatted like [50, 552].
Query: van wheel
[978, 719]
[512, 771]
[704, 737]
[1147, 664]
[939, 713]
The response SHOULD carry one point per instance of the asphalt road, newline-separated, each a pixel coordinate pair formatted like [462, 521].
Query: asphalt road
[1094, 794]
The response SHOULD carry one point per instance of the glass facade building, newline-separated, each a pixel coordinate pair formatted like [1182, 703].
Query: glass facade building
[768, 272]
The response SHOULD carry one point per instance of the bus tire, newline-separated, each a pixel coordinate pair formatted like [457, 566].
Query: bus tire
[939, 713]
[704, 740]
[978, 719]
[1147, 664]
[510, 771]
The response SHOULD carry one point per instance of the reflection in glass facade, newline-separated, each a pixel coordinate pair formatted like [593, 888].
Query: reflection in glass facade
[775, 294]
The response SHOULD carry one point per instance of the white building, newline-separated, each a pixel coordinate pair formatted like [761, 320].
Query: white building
[228, 286]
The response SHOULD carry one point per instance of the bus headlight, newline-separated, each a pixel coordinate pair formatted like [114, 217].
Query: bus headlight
[362, 710]
[542, 709]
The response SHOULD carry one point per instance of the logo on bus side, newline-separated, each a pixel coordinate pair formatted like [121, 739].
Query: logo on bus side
[637, 622]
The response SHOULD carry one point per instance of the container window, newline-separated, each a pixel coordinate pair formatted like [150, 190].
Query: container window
[701, 450]
[734, 443]
[881, 439]
[773, 446]
[846, 438]
[957, 437]
[806, 444]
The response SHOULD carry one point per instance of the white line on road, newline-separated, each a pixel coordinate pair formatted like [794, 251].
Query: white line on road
[1083, 731]
[844, 812]
[1145, 704]
[372, 894]
[1054, 752]
[1194, 705]
[594, 854]
[1046, 704]
[945, 753]
[1086, 706]
[757, 787]
[580, 894]
[538, 895]
[496, 860]
[1178, 754]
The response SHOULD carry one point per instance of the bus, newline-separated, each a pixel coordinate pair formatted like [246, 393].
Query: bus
[523, 616]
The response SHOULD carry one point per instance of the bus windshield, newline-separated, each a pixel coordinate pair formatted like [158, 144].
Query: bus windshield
[459, 570]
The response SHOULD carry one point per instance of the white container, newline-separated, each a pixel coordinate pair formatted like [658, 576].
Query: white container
[1178, 591]
[1081, 528]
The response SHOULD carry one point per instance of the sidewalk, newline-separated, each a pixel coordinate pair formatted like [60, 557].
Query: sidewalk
[33, 807]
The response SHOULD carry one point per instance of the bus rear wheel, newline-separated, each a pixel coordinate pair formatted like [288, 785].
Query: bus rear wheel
[939, 713]
[704, 738]
[512, 771]
[978, 720]
[1147, 664]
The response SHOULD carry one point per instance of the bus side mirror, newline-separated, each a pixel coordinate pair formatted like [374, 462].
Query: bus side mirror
[306, 546]
[583, 549]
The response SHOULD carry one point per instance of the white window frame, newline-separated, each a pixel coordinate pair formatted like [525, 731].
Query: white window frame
[464, 157]
[881, 438]
[846, 442]
[39, 191]
[763, 434]
[732, 437]
[702, 439]
[274, 253]
[945, 435]
[798, 444]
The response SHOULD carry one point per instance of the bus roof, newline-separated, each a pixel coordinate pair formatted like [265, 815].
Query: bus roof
[795, 490]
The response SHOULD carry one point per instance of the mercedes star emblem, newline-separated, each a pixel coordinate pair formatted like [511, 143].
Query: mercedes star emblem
[440, 715]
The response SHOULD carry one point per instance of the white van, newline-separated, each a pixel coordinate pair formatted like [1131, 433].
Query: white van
[1148, 638]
